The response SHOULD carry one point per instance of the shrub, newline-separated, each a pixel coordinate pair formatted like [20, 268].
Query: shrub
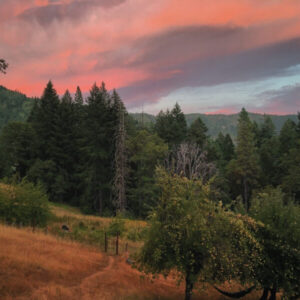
[24, 204]
[117, 226]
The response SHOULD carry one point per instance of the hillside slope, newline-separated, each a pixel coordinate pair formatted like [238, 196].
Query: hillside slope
[39, 266]
[220, 123]
[14, 106]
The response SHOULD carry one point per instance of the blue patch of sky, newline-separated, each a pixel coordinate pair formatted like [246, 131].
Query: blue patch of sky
[230, 95]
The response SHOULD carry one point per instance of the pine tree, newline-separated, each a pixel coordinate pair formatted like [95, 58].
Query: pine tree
[78, 99]
[197, 133]
[45, 122]
[245, 168]
[171, 126]
[98, 150]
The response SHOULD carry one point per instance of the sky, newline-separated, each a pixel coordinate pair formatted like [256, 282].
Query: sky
[209, 56]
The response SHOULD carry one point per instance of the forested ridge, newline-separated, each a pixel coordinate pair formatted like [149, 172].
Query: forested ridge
[217, 210]
[15, 106]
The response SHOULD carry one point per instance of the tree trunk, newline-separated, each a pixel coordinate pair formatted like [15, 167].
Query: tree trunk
[100, 202]
[265, 294]
[188, 287]
[273, 294]
[246, 196]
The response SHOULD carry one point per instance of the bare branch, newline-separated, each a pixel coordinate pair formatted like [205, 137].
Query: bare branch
[190, 161]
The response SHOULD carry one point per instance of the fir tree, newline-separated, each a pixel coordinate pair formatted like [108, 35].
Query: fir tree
[245, 168]
[171, 126]
[78, 99]
[197, 133]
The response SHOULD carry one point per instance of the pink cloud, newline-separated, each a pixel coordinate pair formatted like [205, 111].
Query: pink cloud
[147, 48]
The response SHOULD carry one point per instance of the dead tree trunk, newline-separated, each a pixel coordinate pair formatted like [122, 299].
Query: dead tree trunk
[120, 156]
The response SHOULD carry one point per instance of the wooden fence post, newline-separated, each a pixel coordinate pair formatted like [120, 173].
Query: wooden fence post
[105, 242]
[117, 244]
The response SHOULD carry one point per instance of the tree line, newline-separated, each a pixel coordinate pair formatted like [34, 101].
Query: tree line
[90, 153]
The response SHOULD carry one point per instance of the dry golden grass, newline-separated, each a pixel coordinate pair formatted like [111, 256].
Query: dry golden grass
[37, 266]
[72, 212]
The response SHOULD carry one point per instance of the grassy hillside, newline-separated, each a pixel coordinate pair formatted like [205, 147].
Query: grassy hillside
[14, 106]
[220, 123]
[90, 230]
[39, 266]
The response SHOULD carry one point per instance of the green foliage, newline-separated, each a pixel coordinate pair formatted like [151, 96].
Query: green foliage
[117, 226]
[14, 106]
[171, 126]
[244, 171]
[226, 124]
[197, 133]
[188, 233]
[146, 151]
[24, 204]
[136, 233]
[17, 142]
[280, 240]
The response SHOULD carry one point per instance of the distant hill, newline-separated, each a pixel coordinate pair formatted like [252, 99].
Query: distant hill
[220, 123]
[14, 106]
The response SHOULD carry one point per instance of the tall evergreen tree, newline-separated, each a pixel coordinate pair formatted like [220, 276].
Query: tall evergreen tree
[245, 168]
[45, 121]
[98, 150]
[197, 133]
[171, 126]
[78, 99]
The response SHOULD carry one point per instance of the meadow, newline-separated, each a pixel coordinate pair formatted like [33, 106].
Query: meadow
[64, 265]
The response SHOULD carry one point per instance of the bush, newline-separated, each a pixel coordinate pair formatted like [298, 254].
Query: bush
[117, 226]
[136, 233]
[24, 204]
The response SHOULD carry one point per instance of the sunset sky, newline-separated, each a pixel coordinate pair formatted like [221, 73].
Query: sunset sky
[210, 56]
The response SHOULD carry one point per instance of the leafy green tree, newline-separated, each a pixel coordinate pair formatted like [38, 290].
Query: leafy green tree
[197, 133]
[280, 239]
[187, 235]
[145, 152]
[244, 171]
[24, 204]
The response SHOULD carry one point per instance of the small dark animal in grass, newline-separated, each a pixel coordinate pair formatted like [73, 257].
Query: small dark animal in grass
[129, 261]
[65, 227]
